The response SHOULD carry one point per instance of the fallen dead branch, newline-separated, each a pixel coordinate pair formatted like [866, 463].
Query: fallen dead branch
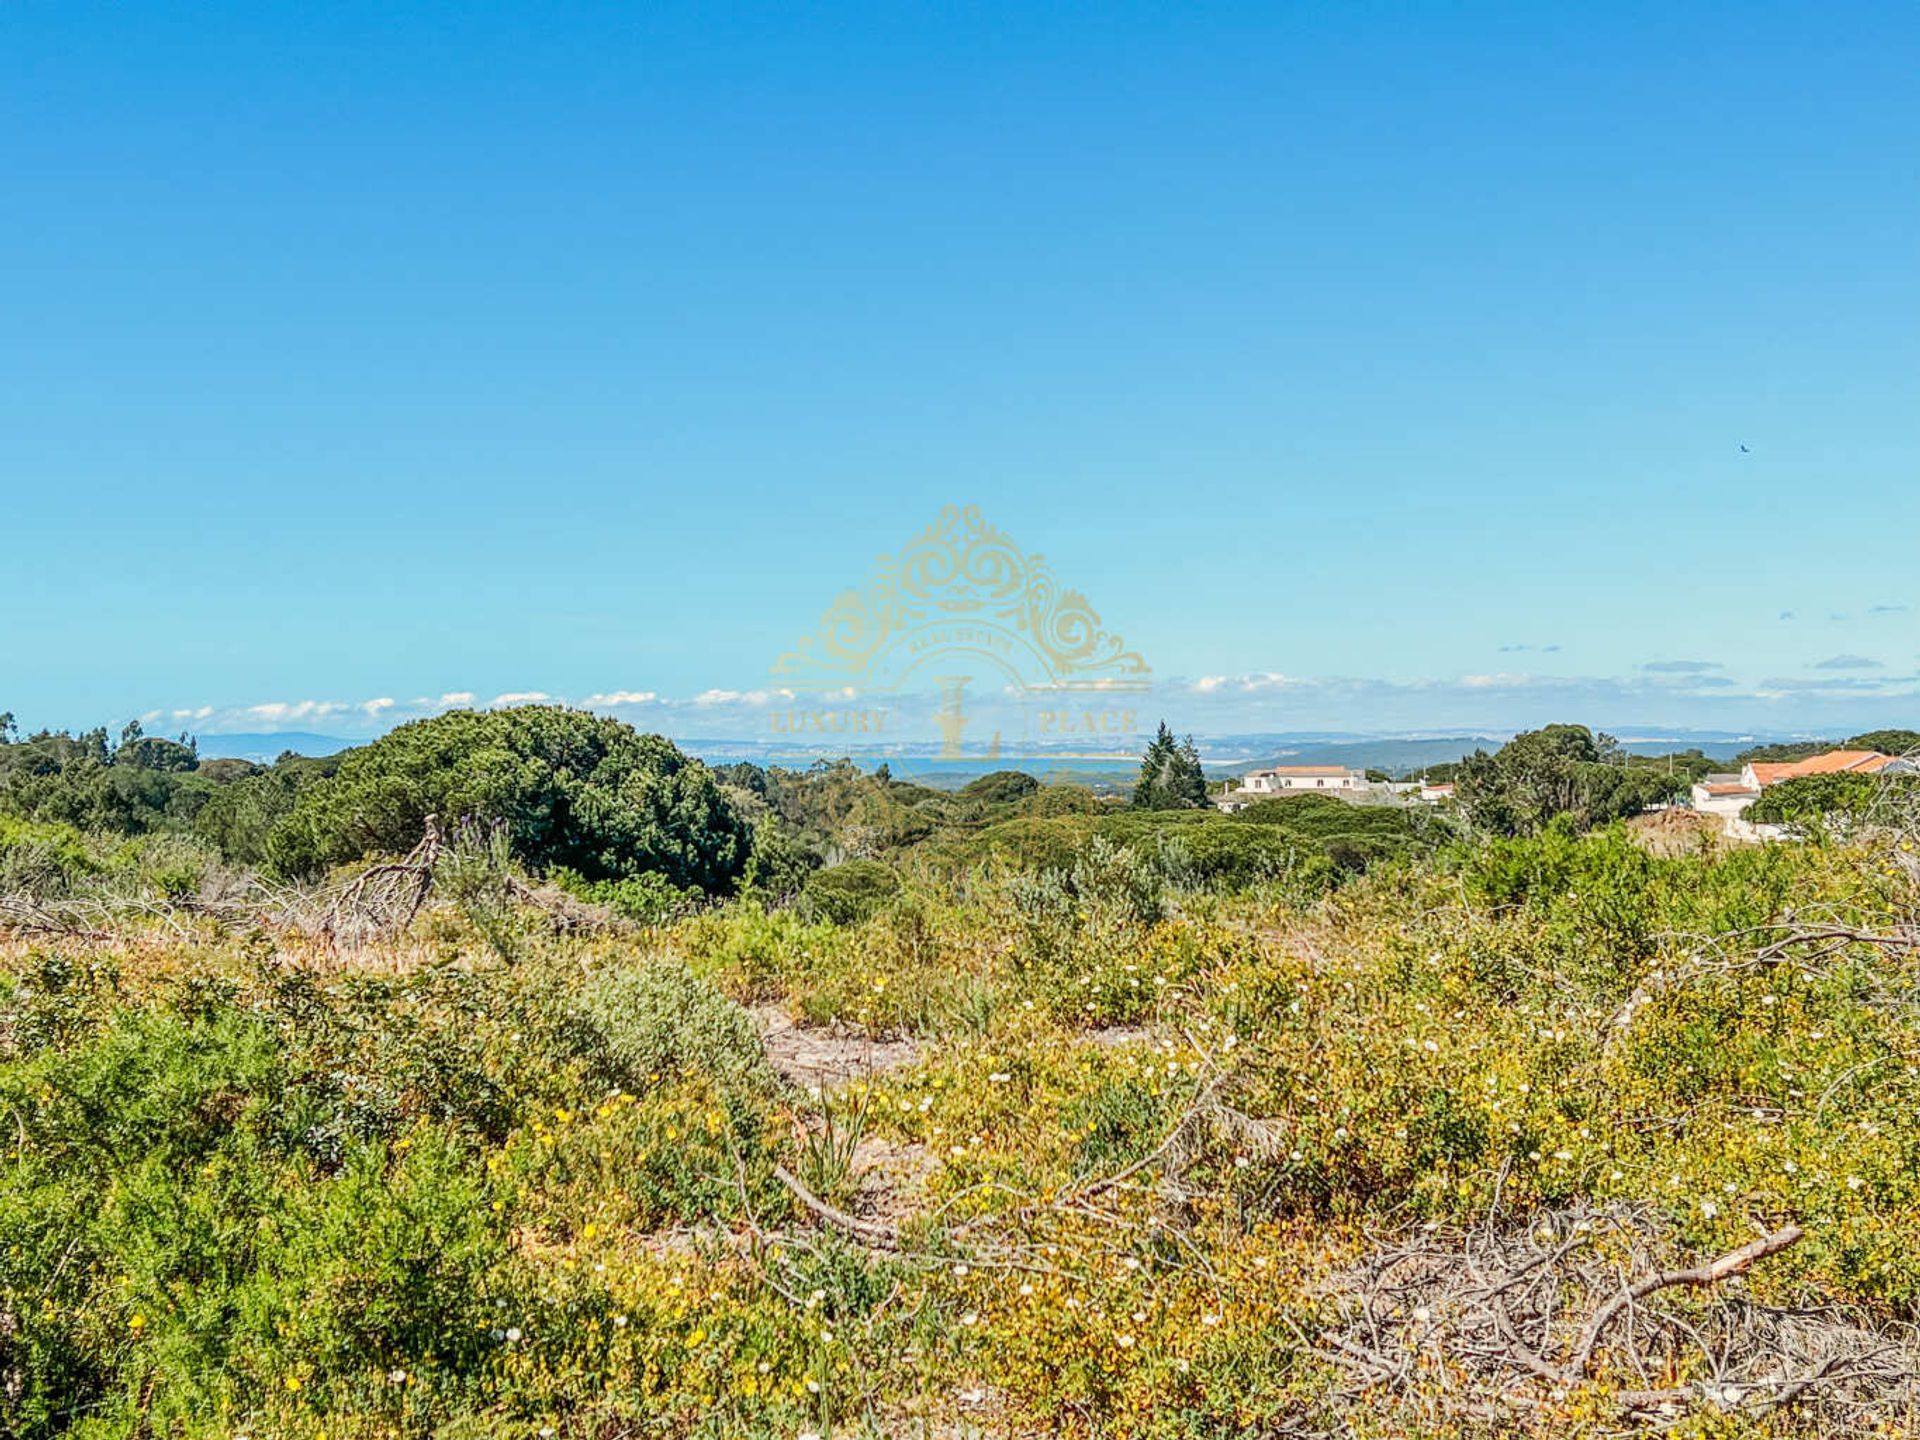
[1737, 1262]
[868, 1232]
[1525, 1316]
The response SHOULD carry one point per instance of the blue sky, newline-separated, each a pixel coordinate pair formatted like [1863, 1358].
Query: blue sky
[1369, 367]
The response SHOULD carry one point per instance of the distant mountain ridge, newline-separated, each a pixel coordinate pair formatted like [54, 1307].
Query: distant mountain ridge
[265, 749]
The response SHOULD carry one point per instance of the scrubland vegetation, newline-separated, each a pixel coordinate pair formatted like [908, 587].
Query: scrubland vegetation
[519, 1077]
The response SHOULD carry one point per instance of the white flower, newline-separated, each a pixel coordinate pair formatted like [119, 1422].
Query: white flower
[513, 1334]
[999, 1077]
[398, 1377]
[1709, 1209]
[1209, 1320]
[972, 1317]
[619, 1322]
[1125, 1342]
[1026, 1290]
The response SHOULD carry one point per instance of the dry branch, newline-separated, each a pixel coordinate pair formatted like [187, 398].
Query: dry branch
[868, 1232]
[1735, 1262]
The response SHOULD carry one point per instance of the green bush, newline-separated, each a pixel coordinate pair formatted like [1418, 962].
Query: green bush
[573, 790]
[847, 894]
[656, 1021]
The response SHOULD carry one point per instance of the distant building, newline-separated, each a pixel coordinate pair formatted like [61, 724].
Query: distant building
[1758, 775]
[1723, 795]
[1728, 796]
[1434, 794]
[1270, 784]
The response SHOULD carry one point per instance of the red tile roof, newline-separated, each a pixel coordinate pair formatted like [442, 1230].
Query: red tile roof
[1834, 762]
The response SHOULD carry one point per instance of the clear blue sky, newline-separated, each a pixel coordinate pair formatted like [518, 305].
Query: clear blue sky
[361, 352]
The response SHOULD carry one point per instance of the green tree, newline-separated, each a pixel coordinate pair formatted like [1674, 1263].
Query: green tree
[1887, 742]
[572, 789]
[1557, 770]
[1170, 774]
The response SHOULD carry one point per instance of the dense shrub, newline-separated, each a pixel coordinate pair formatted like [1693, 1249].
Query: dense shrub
[573, 790]
[655, 1020]
[846, 894]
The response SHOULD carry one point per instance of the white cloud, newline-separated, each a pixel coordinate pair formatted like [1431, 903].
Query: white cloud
[620, 697]
[1248, 684]
[519, 697]
[281, 712]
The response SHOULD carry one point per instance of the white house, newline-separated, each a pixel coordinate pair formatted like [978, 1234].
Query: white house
[1728, 796]
[1723, 795]
[1292, 780]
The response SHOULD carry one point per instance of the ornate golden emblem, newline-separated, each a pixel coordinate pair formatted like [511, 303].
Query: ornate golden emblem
[962, 587]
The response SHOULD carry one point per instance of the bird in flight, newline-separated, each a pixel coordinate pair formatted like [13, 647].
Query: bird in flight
[1745, 451]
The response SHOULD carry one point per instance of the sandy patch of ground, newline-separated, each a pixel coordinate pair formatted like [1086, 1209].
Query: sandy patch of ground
[808, 1056]
[891, 1179]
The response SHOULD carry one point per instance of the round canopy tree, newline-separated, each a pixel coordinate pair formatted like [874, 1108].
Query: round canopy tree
[573, 789]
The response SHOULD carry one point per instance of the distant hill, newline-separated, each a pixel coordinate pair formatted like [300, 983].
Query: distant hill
[1223, 754]
[1399, 755]
[265, 749]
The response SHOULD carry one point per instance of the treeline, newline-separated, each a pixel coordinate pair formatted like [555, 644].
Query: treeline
[629, 821]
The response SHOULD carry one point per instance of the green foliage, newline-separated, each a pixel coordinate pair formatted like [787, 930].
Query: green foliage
[1307, 840]
[846, 894]
[43, 860]
[1844, 797]
[656, 1020]
[573, 790]
[1170, 774]
[1887, 742]
[1001, 787]
[1561, 770]
[248, 802]
[779, 861]
[827, 1150]
[81, 780]
[1050, 800]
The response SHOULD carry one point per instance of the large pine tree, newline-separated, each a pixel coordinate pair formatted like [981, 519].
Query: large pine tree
[1170, 775]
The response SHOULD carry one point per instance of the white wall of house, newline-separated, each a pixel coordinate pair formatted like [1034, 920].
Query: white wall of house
[1725, 806]
[1266, 782]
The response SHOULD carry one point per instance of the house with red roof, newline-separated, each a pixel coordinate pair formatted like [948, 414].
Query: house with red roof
[1728, 796]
